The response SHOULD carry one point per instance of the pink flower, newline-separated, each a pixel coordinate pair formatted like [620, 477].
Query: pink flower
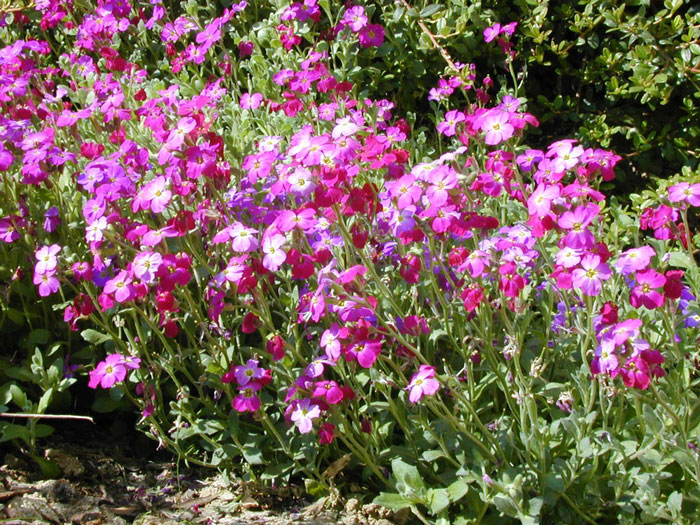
[495, 123]
[492, 32]
[46, 259]
[634, 259]
[47, 283]
[589, 277]
[184, 126]
[684, 191]
[355, 18]
[145, 266]
[274, 255]
[330, 341]
[109, 372]
[120, 286]
[540, 202]
[645, 293]
[579, 236]
[249, 101]
[423, 383]
[568, 257]
[243, 239]
[303, 415]
[448, 127]
[154, 196]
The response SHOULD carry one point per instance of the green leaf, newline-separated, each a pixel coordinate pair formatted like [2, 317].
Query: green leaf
[430, 10]
[277, 470]
[94, 337]
[674, 502]
[314, 488]
[437, 500]
[407, 474]
[18, 396]
[392, 501]
[12, 431]
[41, 431]
[505, 505]
[433, 455]
[535, 506]
[680, 260]
[457, 490]
[45, 400]
[38, 336]
[253, 455]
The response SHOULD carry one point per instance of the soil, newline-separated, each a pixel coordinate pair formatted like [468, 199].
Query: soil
[103, 481]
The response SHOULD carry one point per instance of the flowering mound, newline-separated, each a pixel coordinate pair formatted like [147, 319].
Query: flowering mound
[281, 271]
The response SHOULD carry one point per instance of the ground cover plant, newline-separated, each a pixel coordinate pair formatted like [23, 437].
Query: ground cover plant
[207, 217]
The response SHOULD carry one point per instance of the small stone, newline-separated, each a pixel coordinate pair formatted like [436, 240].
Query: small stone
[353, 505]
[70, 465]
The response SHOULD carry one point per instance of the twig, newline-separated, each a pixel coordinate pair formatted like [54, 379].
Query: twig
[49, 416]
[434, 41]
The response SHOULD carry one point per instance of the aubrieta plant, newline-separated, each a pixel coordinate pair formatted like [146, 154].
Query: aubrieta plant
[276, 270]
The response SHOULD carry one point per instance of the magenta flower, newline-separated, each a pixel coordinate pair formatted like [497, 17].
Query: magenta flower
[243, 239]
[108, 372]
[8, 233]
[303, 414]
[492, 32]
[423, 383]
[247, 400]
[646, 293]
[636, 373]
[372, 35]
[329, 390]
[590, 276]
[367, 352]
[511, 282]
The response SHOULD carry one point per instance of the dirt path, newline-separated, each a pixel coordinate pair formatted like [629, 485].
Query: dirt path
[104, 482]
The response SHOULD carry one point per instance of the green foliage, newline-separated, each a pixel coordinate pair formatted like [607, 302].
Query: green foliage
[621, 75]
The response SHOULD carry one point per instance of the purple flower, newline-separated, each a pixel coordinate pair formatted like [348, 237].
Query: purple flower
[303, 414]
